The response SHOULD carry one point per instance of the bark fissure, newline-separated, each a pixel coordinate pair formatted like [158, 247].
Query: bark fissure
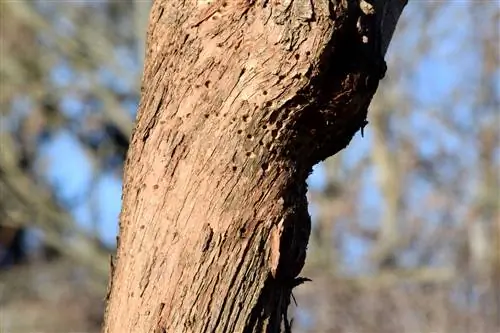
[231, 289]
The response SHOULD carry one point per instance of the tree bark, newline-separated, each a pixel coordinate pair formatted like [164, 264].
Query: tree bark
[239, 100]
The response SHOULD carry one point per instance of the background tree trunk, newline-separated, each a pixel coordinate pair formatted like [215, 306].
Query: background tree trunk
[239, 100]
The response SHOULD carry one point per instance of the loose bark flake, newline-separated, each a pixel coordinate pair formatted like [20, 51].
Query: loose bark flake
[239, 100]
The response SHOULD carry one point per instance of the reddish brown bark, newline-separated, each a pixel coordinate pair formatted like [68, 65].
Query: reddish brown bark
[239, 100]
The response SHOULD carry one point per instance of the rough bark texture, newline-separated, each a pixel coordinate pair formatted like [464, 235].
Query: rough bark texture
[239, 100]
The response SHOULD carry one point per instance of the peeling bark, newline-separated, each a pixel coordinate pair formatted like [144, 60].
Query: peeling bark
[239, 100]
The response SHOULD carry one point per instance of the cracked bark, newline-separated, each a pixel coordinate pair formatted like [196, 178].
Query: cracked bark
[239, 100]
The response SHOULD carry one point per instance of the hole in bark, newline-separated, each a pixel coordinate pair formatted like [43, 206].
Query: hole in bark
[207, 83]
[155, 186]
[297, 76]
[308, 53]
[265, 166]
[249, 136]
[206, 115]
[264, 92]
[268, 104]
[297, 57]
[274, 133]
[281, 77]
[242, 231]
[239, 131]
[264, 127]
[261, 143]
[188, 115]
[245, 118]
[234, 168]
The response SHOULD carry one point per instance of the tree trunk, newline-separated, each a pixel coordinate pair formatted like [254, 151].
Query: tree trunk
[240, 98]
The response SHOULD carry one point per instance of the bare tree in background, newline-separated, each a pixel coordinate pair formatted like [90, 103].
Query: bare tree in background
[56, 57]
[239, 101]
[430, 246]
